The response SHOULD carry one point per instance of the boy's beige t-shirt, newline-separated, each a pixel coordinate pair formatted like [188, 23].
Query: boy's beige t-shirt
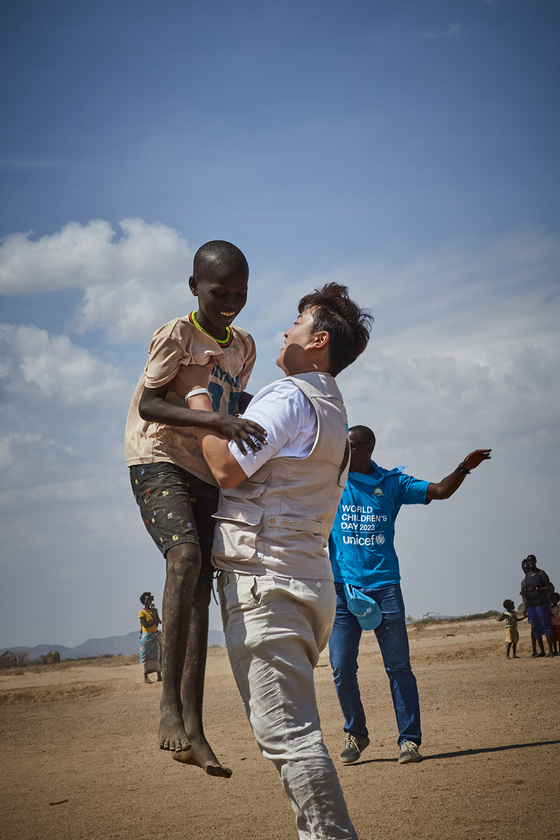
[180, 343]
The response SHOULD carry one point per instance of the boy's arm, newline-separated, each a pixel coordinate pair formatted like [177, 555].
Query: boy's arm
[154, 409]
[501, 618]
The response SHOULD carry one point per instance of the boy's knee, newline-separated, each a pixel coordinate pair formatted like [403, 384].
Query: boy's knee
[183, 561]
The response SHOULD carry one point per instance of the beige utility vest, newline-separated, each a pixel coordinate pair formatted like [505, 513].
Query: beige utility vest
[278, 521]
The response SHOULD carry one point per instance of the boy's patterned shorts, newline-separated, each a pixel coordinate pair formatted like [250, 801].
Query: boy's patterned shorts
[176, 507]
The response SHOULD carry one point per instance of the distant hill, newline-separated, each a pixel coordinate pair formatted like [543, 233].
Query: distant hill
[125, 645]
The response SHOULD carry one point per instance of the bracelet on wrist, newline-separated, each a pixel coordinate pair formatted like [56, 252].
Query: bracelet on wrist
[195, 393]
[463, 470]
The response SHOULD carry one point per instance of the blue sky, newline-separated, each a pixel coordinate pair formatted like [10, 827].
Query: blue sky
[408, 149]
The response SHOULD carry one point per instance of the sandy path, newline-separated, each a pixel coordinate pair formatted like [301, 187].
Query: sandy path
[491, 745]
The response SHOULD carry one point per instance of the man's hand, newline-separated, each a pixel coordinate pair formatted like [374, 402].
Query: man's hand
[447, 486]
[476, 458]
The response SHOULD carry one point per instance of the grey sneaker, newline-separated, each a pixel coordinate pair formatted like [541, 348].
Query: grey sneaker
[409, 752]
[353, 748]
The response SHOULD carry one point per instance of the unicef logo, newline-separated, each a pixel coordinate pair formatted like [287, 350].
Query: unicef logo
[380, 539]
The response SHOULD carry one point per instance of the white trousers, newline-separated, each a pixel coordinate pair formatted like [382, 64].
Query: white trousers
[275, 629]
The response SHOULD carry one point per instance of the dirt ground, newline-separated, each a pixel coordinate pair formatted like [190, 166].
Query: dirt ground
[80, 758]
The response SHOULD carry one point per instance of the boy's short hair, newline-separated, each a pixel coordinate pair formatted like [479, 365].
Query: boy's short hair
[144, 597]
[346, 323]
[218, 252]
[508, 601]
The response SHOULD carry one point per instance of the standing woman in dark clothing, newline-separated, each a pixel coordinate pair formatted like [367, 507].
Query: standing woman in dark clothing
[535, 589]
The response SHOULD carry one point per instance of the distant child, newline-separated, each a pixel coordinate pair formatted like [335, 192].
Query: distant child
[173, 486]
[512, 633]
[555, 621]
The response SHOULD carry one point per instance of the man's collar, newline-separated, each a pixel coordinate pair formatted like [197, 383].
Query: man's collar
[378, 474]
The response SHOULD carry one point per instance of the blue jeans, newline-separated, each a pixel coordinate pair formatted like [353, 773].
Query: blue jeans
[392, 637]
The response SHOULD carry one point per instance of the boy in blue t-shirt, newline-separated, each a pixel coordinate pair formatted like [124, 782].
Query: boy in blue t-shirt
[362, 552]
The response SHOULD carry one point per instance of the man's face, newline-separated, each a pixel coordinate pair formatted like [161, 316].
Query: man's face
[361, 448]
[293, 357]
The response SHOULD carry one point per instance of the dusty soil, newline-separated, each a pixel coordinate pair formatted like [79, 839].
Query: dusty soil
[80, 758]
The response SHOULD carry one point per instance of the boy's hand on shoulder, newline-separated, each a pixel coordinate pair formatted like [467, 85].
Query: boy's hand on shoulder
[246, 433]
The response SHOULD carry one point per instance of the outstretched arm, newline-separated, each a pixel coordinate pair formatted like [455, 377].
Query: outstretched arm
[447, 486]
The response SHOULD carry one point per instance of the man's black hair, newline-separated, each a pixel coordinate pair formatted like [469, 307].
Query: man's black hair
[346, 323]
[365, 431]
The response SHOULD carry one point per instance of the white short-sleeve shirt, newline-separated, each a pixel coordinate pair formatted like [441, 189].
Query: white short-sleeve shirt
[290, 420]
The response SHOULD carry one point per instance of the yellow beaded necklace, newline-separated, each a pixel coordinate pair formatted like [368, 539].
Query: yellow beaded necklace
[223, 342]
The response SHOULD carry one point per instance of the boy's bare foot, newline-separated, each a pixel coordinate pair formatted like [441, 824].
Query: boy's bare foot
[201, 755]
[147, 680]
[172, 735]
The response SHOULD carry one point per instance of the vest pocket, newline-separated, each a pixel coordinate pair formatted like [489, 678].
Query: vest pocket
[237, 528]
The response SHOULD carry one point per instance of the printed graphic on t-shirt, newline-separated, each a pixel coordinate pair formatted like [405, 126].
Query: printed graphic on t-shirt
[217, 389]
[361, 525]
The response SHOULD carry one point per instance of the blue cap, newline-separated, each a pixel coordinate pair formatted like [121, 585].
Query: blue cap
[365, 609]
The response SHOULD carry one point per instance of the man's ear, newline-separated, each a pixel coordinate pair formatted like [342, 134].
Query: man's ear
[319, 340]
[193, 286]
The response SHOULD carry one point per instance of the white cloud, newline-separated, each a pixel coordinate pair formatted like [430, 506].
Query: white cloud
[56, 367]
[514, 393]
[86, 255]
[132, 310]
[131, 285]
[67, 517]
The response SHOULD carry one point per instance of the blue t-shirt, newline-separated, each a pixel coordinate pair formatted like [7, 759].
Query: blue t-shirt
[361, 545]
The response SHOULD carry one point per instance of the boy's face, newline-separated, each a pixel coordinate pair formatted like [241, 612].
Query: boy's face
[221, 297]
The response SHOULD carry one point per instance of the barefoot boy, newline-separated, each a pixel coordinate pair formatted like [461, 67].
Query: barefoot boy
[173, 486]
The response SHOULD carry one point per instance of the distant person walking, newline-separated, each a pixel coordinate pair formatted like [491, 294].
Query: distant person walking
[512, 633]
[535, 591]
[150, 644]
